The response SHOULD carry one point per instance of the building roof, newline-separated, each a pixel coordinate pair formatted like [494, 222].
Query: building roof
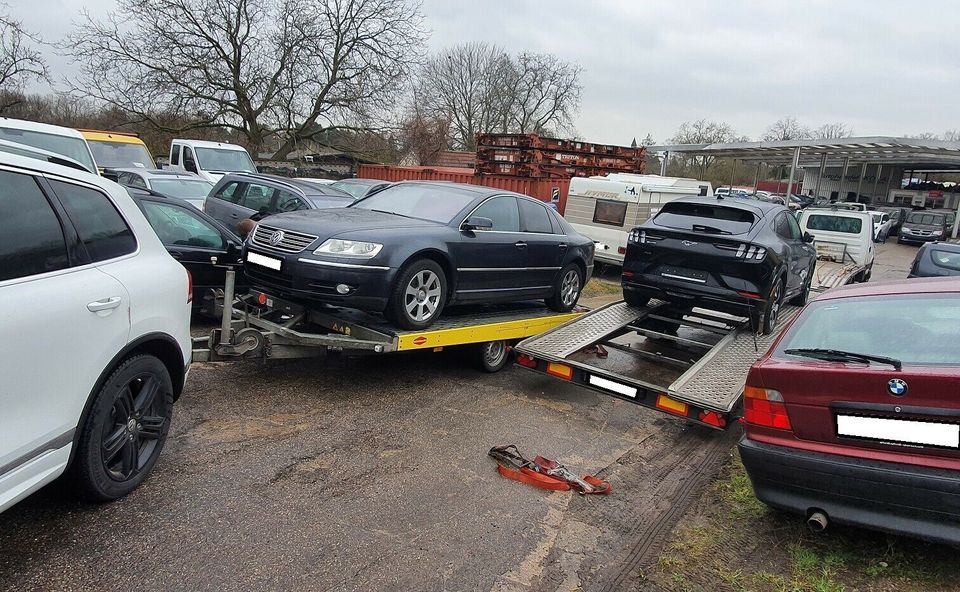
[914, 153]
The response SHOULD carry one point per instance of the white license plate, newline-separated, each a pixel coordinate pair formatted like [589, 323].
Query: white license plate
[899, 430]
[263, 260]
[610, 385]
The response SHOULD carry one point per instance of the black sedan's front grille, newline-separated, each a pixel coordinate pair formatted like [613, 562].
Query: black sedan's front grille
[269, 277]
[287, 241]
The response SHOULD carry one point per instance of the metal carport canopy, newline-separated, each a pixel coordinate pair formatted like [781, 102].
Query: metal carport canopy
[913, 152]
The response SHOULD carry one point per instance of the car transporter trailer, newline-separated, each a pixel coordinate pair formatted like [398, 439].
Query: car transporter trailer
[689, 363]
[260, 326]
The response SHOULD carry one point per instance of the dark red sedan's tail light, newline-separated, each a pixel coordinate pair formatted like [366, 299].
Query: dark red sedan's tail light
[765, 407]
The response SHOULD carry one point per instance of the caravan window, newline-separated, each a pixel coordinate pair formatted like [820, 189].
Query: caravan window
[610, 212]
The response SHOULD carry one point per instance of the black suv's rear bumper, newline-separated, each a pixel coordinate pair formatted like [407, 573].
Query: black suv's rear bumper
[891, 497]
[679, 292]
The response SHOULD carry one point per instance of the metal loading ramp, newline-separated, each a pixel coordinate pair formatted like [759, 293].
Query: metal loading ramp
[570, 338]
[716, 381]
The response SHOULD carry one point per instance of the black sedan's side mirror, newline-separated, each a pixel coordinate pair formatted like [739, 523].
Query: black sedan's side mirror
[477, 223]
[807, 237]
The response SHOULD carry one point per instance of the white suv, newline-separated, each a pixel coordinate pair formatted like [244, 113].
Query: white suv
[94, 335]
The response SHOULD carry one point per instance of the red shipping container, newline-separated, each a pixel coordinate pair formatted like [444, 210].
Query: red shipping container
[548, 190]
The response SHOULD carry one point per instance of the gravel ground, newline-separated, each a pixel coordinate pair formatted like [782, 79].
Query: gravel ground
[371, 474]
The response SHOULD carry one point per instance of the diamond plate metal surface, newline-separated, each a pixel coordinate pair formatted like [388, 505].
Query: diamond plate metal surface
[717, 380]
[577, 334]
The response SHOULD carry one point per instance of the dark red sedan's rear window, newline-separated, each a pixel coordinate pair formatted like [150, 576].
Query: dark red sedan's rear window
[917, 329]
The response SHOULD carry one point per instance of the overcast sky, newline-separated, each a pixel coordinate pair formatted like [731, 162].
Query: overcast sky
[883, 67]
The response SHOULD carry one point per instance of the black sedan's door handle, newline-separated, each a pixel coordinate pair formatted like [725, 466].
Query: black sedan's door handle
[563, 246]
[520, 245]
[176, 255]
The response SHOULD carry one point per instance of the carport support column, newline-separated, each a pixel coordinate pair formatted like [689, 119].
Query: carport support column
[863, 171]
[823, 169]
[876, 180]
[663, 163]
[793, 170]
[733, 174]
[843, 177]
[756, 178]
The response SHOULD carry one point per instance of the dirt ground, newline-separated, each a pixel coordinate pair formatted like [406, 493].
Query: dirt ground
[371, 474]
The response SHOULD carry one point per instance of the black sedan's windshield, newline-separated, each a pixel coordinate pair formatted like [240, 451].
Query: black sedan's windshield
[437, 204]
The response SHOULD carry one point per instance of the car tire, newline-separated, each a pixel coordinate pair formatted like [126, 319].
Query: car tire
[566, 292]
[127, 422]
[418, 296]
[492, 356]
[635, 300]
[771, 312]
[804, 295]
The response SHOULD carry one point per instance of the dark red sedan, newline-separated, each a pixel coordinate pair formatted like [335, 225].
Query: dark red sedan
[853, 416]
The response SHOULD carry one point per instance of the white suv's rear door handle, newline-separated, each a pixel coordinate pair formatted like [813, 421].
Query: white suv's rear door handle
[104, 304]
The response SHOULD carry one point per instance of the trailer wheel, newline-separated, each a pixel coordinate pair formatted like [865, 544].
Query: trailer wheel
[492, 356]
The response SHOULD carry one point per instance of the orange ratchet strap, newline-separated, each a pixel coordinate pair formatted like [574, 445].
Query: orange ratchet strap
[544, 473]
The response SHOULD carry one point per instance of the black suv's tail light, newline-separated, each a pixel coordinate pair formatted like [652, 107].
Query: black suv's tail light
[745, 251]
[641, 237]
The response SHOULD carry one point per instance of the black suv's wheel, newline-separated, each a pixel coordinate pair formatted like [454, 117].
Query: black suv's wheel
[635, 300]
[123, 434]
[771, 312]
[418, 296]
[566, 292]
[804, 295]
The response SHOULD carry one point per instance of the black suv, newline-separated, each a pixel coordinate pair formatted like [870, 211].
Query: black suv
[735, 256]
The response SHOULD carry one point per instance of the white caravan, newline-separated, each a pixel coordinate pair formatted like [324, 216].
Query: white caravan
[606, 208]
[209, 160]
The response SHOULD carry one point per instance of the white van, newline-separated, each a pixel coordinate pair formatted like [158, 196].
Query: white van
[841, 235]
[607, 208]
[53, 138]
[209, 160]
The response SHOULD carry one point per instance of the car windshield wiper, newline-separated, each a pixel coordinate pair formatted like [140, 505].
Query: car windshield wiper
[391, 213]
[840, 356]
[713, 229]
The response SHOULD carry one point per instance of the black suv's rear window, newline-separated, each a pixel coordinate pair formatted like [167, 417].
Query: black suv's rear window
[705, 218]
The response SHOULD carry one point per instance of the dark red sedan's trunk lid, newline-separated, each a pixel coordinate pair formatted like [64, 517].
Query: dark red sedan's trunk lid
[870, 406]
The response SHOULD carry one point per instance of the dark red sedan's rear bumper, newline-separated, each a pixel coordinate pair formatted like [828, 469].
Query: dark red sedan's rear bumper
[897, 498]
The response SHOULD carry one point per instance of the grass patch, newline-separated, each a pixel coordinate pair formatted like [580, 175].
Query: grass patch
[601, 287]
[734, 542]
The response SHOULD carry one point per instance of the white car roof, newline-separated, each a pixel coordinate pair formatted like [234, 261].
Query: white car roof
[33, 126]
[207, 144]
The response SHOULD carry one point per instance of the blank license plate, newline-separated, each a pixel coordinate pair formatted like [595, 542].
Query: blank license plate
[689, 275]
[263, 260]
[899, 430]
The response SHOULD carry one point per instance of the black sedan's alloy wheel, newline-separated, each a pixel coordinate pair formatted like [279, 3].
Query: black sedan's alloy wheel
[418, 296]
[566, 293]
[125, 430]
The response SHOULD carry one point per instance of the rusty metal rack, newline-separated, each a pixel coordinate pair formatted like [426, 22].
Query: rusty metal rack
[529, 155]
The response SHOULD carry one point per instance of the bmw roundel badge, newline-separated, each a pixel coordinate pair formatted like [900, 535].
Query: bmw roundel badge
[897, 387]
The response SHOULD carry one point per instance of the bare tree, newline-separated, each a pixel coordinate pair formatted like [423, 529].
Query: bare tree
[466, 86]
[20, 61]
[830, 131]
[544, 94]
[787, 128]
[258, 67]
[701, 131]
[479, 88]
[647, 140]
[952, 135]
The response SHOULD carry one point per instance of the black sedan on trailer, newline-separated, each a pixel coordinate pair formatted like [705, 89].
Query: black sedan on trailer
[200, 243]
[412, 248]
[736, 256]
